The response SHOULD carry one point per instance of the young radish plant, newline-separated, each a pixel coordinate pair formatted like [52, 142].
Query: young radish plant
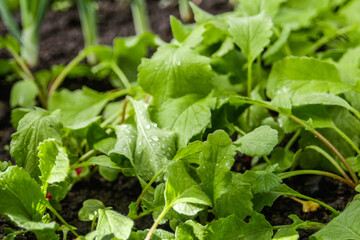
[183, 122]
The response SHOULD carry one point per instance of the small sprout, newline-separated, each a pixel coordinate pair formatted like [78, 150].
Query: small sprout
[307, 206]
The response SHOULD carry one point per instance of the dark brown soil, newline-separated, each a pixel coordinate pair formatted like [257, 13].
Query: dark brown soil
[330, 191]
[61, 40]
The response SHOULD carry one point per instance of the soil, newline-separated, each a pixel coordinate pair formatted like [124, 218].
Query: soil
[61, 40]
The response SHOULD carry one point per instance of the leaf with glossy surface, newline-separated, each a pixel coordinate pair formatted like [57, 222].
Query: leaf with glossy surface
[257, 228]
[23, 94]
[236, 200]
[303, 75]
[113, 225]
[33, 128]
[174, 72]
[190, 153]
[154, 146]
[190, 230]
[187, 116]
[78, 108]
[216, 161]
[22, 200]
[251, 7]
[261, 141]
[251, 34]
[344, 226]
[224, 228]
[181, 188]
[89, 209]
[54, 163]
[296, 14]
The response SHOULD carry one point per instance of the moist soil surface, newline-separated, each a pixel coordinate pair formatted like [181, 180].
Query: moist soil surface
[61, 40]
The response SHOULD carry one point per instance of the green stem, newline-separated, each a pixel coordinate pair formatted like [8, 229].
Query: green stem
[347, 139]
[60, 78]
[308, 128]
[315, 172]
[237, 129]
[317, 201]
[311, 225]
[28, 73]
[143, 214]
[323, 40]
[93, 223]
[185, 10]
[249, 78]
[292, 139]
[156, 223]
[140, 16]
[120, 75]
[331, 160]
[267, 160]
[48, 205]
[328, 144]
[148, 186]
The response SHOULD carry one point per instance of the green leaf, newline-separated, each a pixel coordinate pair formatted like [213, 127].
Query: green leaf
[78, 108]
[33, 128]
[110, 174]
[259, 142]
[17, 114]
[190, 153]
[289, 232]
[101, 160]
[283, 157]
[282, 102]
[274, 50]
[23, 94]
[181, 190]
[253, 7]
[126, 137]
[301, 75]
[261, 181]
[224, 228]
[251, 34]
[237, 199]
[179, 31]
[21, 197]
[113, 225]
[54, 163]
[215, 162]
[89, 209]
[322, 99]
[154, 147]
[315, 116]
[257, 228]
[187, 116]
[23, 202]
[267, 198]
[190, 230]
[174, 72]
[130, 50]
[158, 234]
[344, 226]
[296, 14]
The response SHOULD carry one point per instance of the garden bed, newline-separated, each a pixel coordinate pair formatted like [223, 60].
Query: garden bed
[62, 40]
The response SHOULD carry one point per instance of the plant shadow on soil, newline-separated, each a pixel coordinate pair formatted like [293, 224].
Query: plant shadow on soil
[61, 40]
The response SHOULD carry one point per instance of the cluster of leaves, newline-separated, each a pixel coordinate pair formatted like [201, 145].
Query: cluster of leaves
[276, 81]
